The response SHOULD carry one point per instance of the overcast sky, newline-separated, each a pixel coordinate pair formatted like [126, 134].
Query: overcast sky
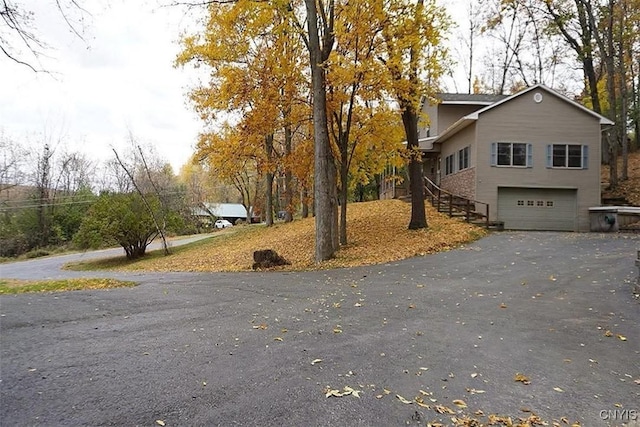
[119, 80]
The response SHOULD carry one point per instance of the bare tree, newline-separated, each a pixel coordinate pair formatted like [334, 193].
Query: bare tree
[19, 32]
[160, 229]
[12, 161]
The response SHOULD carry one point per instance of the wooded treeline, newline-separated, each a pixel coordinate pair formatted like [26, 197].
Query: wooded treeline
[52, 198]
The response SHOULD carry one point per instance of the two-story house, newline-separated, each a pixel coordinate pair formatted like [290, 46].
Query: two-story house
[533, 157]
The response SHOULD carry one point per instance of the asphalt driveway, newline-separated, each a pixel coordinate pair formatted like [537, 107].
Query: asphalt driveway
[262, 348]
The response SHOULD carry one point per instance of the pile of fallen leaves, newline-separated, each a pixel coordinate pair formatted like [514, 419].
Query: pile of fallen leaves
[628, 189]
[376, 232]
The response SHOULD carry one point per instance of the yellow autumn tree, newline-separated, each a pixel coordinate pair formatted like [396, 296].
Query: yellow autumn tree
[254, 74]
[416, 58]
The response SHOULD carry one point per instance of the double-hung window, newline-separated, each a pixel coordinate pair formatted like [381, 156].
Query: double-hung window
[449, 164]
[463, 158]
[570, 156]
[514, 154]
[457, 161]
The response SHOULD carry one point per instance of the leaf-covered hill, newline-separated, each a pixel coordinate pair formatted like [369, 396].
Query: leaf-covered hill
[377, 233]
[629, 189]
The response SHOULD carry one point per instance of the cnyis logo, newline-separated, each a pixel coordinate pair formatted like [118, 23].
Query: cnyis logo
[630, 416]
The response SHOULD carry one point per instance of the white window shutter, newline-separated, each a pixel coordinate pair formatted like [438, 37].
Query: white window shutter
[549, 156]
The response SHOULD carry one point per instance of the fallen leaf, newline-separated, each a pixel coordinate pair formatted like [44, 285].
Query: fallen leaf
[278, 339]
[475, 374]
[403, 400]
[621, 337]
[608, 333]
[617, 405]
[349, 390]
[261, 326]
[160, 423]
[441, 409]
[637, 381]
[552, 278]
[460, 403]
[314, 361]
[522, 378]
[412, 306]
[592, 361]
[420, 402]
[346, 391]
[565, 420]
[357, 304]
[558, 389]
[503, 305]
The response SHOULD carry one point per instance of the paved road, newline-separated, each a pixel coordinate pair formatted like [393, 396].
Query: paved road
[239, 349]
[51, 267]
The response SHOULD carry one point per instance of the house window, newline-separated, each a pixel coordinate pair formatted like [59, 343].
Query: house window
[572, 156]
[449, 164]
[463, 158]
[516, 154]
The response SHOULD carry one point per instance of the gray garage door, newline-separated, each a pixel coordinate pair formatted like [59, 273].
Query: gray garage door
[537, 208]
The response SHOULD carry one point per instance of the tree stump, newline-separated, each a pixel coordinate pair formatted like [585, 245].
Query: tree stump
[267, 258]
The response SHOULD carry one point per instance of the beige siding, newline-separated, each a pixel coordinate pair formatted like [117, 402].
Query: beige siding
[550, 121]
[441, 116]
[449, 114]
[429, 120]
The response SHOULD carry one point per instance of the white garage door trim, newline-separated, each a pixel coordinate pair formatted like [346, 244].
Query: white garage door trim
[553, 209]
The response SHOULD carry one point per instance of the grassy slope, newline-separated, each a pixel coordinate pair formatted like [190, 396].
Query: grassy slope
[377, 233]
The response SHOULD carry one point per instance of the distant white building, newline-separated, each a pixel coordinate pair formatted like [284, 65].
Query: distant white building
[229, 211]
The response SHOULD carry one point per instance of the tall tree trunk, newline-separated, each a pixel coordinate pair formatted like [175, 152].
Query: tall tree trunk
[324, 166]
[43, 189]
[268, 208]
[416, 180]
[305, 204]
[606, 43]
[622, 81]
[344, 189]
[268, 144]
[288, 177]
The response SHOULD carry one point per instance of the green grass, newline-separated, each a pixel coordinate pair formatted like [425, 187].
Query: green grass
[11, 286]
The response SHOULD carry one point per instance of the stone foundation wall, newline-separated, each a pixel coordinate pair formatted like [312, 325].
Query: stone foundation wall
[461, 183]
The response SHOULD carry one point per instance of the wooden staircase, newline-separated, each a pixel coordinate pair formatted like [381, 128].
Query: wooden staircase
[456, 206]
